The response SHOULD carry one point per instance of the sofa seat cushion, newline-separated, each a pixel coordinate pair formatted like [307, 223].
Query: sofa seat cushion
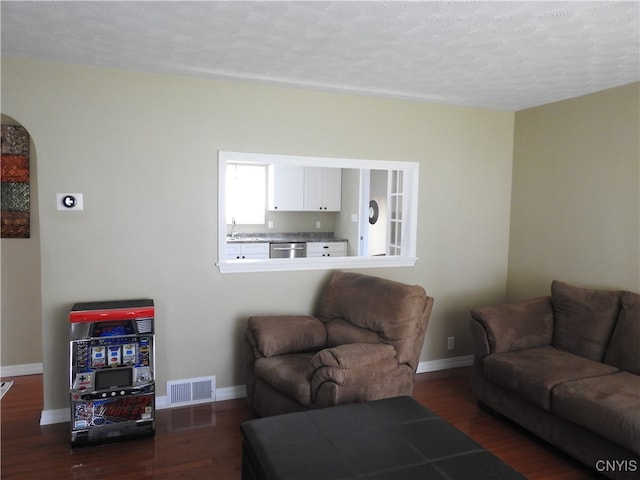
[287, 374]
[534, 372]
[608, 405]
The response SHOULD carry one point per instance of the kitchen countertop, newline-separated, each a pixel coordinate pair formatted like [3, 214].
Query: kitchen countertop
[285, 237]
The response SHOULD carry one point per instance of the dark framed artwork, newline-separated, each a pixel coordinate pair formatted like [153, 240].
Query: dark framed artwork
[14, 166]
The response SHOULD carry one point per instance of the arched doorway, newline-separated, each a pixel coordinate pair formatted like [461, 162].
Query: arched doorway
[20, 274]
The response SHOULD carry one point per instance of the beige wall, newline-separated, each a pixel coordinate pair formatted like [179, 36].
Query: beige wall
[575, 212]
[21, 326]
[143, 150]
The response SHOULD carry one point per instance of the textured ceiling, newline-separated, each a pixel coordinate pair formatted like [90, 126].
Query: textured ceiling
[501, 55]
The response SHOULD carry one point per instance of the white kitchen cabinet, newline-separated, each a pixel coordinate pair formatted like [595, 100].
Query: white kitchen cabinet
[238, 251]
[322, 189]
[312, 189]
[286, 188]
[326, 249]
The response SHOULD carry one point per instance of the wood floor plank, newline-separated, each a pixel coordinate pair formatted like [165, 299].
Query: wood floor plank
[203, 441]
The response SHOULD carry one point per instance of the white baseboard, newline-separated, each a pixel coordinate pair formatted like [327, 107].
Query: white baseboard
[231, 393]
[61, 415]
[19, 370]
[239, 391]
[445, 364]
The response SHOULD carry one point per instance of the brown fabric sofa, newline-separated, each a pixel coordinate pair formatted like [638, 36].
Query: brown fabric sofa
[567, 368]
[363, 344]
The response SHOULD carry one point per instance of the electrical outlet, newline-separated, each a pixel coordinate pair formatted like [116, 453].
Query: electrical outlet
[270, 224]
[318, 224]
[451, 343]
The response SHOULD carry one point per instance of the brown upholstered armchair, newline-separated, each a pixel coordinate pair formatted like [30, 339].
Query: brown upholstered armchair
[363, 344]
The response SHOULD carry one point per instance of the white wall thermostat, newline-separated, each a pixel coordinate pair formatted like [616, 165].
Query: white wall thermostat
[69, 201]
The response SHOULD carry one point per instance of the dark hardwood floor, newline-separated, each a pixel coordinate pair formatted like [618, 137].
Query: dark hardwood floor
[203, 442]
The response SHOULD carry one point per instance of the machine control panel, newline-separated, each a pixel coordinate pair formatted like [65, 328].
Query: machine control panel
[113, 393]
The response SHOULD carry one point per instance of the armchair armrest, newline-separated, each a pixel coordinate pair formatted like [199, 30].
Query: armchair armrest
[281, 334]
[352, 364]
[512, 326]
[352, 355]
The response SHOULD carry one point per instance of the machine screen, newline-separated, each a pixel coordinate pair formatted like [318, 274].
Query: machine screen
[121, 377]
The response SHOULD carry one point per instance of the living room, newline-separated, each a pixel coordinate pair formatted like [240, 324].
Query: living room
[509, 200]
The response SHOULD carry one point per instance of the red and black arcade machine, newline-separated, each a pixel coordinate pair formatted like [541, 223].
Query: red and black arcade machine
[111, 375]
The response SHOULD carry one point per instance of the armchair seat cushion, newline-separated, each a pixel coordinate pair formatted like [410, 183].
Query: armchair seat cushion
[608, 405]
[533, 373]
[287, 374]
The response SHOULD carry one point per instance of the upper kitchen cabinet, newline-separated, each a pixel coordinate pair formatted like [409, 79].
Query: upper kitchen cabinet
[322, 189]
[294, 188]
[286, 188]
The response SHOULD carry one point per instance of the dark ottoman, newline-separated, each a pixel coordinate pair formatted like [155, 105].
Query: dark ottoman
[394, 438]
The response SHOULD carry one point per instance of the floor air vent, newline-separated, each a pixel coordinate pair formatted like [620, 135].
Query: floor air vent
[191, 391]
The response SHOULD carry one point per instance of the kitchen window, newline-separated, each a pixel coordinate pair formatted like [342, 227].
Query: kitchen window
[246, 194]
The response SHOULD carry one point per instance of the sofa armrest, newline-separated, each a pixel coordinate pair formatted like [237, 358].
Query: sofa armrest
[282, 334]
[512, 326]
[352, 364]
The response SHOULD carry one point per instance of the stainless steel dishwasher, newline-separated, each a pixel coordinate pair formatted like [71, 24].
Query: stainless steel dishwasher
[288, 250]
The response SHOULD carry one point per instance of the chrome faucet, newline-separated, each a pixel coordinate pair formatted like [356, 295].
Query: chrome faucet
[234, 234]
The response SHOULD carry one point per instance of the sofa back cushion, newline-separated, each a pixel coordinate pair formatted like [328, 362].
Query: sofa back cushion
[395, 312]
[624, 348]
[584, 319]
[516, 325]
